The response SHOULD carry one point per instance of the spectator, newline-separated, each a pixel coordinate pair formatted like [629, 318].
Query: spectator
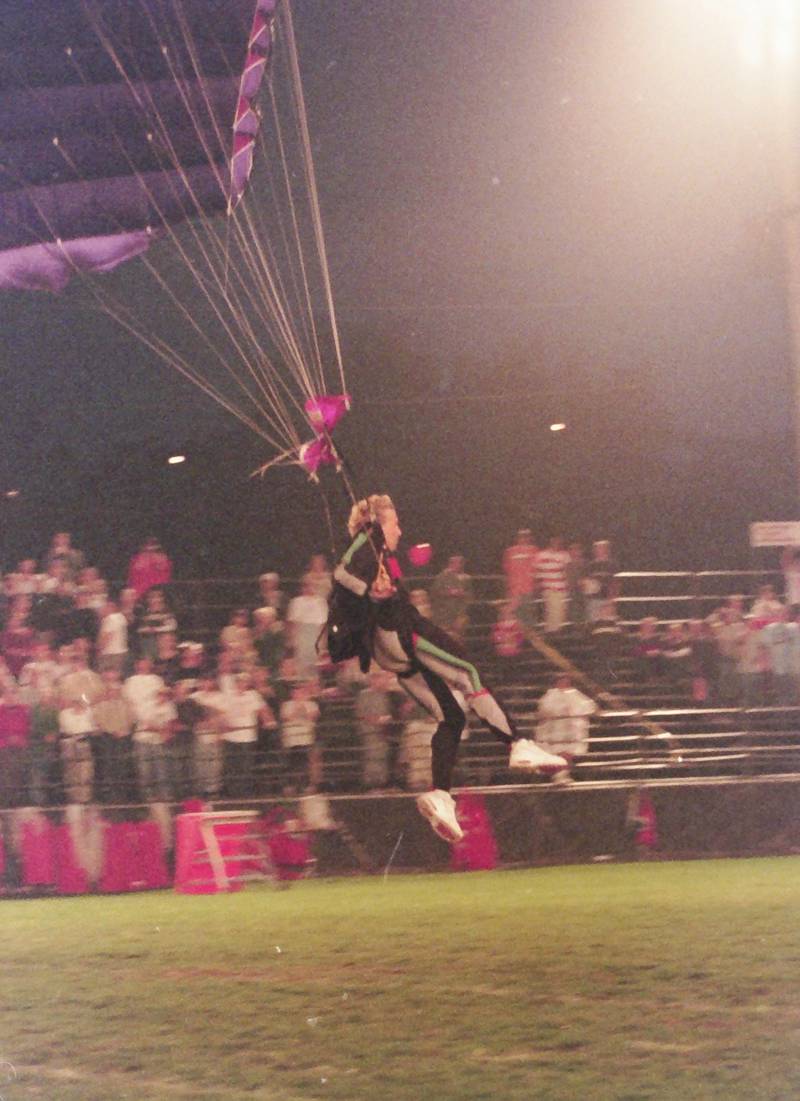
[79, 683]
[156, 620]
[242, 709]
[563, 726]
[154, 715]
[414, 758]
[766, 605]
[731, 611]
[43, 752]
[318, 577]
[790, 565]
[14, 734]
[781, 642]
[299, 716]
[703, 661]
[305, 619]
[111, 745]
[600, 583]
[41, 674]
[421, 601]
[507, 635]
[374, 717]
[237, 639]
[271, 594]
[168, 658]
[63, 553]
[149, 568]
[26, 581]
[18, 640]
[77, 726]
[577, 607]
[753, 664]
[551, 576]
[450, 596]
[609, 642]
[91, 583]
[111, 645]
[730, 632]
[80, 621]
[519, 567]
[207, 738]
[648, 651]
[269, 639]
[677, 652]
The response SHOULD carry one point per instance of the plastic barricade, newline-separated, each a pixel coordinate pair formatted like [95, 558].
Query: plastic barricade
[37, 851]
[71, 878]
[133, 858]
[477, 850]
[216, 851]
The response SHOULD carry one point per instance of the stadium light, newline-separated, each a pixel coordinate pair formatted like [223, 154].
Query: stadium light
[558, 427]
[173, 460]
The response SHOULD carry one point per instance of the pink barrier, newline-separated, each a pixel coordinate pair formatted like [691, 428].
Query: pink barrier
[477, 851]
[193, 872]
[37, 844]
[71, 878]
[133, 858]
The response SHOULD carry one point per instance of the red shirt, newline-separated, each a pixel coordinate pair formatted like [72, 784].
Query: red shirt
[148, 569]
[519, 566]
[15, 724]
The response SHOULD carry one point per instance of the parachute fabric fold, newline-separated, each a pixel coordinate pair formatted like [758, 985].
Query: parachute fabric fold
[118, 117]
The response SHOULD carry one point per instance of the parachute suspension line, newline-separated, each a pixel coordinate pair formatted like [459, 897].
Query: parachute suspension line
[310, 329]
[174, 359]
[252, 248]
[263, 273]
[308, 162]
[232, 302]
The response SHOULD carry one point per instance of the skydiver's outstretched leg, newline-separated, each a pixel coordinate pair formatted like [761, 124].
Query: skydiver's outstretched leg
[432, 693]
[440, 654]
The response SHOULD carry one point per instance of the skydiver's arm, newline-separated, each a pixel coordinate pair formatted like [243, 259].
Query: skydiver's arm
[359, 566]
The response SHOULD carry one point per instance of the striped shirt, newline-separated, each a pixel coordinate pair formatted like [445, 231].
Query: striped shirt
[551, 570]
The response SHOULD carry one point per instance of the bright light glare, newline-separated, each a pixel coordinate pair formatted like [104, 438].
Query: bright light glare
[557, 427]
[12, 493]
[768, 31]
[173, 460]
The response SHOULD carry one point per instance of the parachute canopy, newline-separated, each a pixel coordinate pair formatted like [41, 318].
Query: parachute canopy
[116, 118]
[125, 121]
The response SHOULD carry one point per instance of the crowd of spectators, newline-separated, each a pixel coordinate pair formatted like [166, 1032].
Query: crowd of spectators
[103, 697]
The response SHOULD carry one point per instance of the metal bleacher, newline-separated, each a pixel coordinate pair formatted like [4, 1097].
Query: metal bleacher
[652, 730]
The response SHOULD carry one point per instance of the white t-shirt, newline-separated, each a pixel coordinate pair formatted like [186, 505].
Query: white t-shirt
[151, 711]
[75, 722]
[298, 723]
[240, 715]
[308, 610]
[112, 637]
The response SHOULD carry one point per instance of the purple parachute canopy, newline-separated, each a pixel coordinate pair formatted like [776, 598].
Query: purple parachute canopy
[116, 118]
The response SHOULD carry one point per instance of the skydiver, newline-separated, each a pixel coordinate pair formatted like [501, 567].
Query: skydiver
[373, 618]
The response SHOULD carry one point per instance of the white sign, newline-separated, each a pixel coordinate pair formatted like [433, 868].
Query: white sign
[775, 533]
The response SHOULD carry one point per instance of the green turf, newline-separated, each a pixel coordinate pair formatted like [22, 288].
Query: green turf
[670, 981]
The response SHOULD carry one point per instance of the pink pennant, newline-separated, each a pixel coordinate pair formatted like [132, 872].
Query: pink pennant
[325, 412]
[315, 454]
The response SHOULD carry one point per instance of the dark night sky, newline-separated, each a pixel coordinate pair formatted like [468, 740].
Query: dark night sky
[535, 210]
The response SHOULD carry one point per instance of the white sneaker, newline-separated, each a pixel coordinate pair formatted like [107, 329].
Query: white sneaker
[440, 809]
[529, 756]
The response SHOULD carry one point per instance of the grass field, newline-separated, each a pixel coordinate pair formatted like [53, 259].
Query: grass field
[670, 981]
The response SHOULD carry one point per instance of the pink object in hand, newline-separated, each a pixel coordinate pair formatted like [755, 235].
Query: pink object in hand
[420, 554]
